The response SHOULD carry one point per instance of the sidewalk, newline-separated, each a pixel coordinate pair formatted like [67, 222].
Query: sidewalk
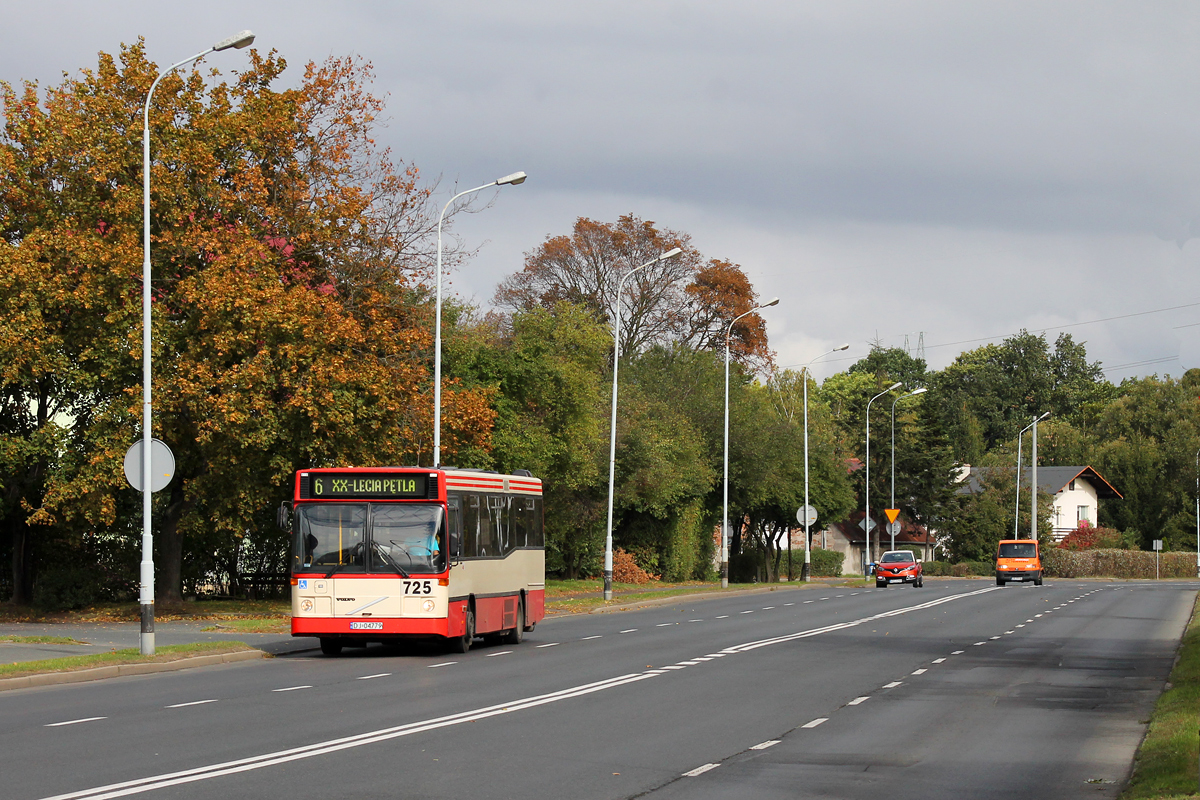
[106, 636]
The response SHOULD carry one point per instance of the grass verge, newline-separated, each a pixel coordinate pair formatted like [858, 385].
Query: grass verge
[1166, 765]
[173, 652]
[39, 639]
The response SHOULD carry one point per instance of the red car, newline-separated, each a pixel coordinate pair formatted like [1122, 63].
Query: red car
[898, 566]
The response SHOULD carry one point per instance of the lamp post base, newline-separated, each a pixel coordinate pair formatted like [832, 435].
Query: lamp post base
[608, 584]
[724, 574]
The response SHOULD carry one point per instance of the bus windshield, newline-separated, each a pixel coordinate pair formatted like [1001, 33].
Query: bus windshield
[1018, 550]
[370, 537]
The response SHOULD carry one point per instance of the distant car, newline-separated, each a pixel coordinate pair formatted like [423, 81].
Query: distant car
[898, 566]
[1018, 560]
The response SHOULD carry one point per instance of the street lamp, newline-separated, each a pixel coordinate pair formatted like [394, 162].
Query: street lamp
[515, 179]
[725, 501]
[867, 517]
[1017, 513]
[913, 393]
[612, 433]
[1198, 513]
[806, 572]
[146, 593]
[1033, 485]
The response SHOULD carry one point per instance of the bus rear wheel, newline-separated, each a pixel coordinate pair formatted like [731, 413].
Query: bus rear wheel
[330, 646]
[462, 643]
[515, 635]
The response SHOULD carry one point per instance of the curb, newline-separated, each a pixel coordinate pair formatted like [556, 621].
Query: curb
[120, 670]
[691, 598]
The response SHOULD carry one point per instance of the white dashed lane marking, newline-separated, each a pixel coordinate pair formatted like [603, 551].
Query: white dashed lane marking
[548, 644]
[815, 722]
[193, 703]
[938, 660]
[892, 685]
[700, 770]
[765, 745]
[73, 722]
[445, 664]
[629, 630]
[291, 688]
[501, 653]
[920, 671]
[362, 678]
[858, 700]
[584, 639]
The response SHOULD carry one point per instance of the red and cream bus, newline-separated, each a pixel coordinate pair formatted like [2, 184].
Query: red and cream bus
[386, 553]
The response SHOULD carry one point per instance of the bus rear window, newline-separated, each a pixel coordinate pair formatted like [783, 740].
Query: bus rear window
[1018, 550]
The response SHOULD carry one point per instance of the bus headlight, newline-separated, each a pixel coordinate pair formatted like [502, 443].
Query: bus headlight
[306, 604]
[427, 606]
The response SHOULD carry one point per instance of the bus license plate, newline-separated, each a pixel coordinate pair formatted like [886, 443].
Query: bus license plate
[366, 626]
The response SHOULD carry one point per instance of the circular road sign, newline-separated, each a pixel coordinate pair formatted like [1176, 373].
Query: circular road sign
[162, 465]
[893, 527]
[806, 515]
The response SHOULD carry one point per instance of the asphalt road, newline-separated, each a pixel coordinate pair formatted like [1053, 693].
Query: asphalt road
[959, 689]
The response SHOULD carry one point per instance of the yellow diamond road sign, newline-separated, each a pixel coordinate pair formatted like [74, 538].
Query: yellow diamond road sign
[892, 513]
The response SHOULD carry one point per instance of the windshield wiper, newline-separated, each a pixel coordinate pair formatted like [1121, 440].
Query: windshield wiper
[389, 560]
[337, 568]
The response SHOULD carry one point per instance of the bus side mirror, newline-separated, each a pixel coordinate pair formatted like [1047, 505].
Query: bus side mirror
[283, 515]
[455, 546]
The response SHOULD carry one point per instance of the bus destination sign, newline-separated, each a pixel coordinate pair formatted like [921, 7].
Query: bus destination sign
[377, 486]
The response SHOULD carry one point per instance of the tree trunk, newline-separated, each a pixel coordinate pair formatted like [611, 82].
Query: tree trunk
[22, 577]
[169, 582]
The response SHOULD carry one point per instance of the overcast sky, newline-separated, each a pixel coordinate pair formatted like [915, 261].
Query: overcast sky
[888, 169]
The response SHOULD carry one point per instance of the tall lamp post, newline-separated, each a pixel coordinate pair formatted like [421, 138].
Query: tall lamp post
[612, 432]
[867, 517]
[515, 179]
[1198, 513]
[1033, 484]
[806, 573]
[725, 499]
[913, 393]
[1017, 513]
[146, 593]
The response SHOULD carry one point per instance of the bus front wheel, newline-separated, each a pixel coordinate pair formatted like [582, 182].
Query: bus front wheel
[463, 643]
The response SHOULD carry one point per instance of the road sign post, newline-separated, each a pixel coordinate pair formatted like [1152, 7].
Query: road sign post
[1157, 550]
[893, 526]
[806, 516]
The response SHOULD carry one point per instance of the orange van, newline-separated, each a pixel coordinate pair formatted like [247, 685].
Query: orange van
[1018, 560]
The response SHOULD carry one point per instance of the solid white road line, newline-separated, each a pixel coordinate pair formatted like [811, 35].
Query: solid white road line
[193, 703]
[815, 722]
[72, 722]
[700, 770]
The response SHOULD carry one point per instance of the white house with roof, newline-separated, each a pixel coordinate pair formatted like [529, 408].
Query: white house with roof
[1077, 493]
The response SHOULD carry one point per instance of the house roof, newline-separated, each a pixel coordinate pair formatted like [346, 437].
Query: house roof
[910, 533]
[1051, 480]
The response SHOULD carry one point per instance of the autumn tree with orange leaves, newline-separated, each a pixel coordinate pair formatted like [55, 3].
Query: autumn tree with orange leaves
[291, 327]
[682, 300]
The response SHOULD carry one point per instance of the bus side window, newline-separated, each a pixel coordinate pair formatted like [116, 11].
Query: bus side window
[454, 506]
[519, 521]
[487, 528]
[501, 523]
[537, 532]
[470, 526]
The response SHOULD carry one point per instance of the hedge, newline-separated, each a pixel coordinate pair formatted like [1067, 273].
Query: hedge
[826, 563]
[959, 570]
[1059, 563]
